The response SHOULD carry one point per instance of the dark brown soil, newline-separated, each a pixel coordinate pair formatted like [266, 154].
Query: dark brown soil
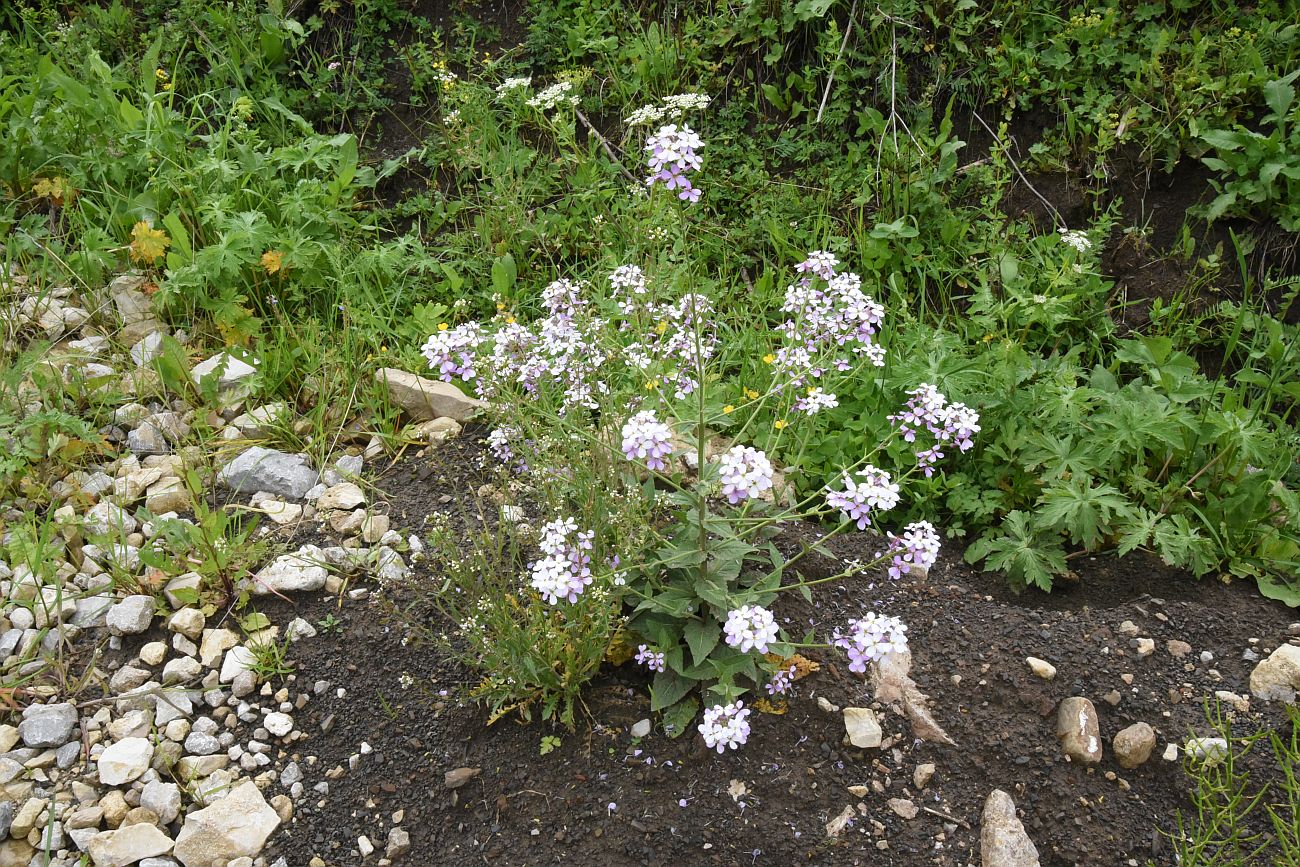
[603, 798]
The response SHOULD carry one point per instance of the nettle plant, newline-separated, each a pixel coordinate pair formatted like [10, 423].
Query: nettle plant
[631, 375]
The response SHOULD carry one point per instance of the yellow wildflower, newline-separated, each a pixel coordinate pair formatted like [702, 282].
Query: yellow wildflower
[769, 358]
[751, 394]
[443, 326]
[780, 424]
[272, 261]
[728, 409]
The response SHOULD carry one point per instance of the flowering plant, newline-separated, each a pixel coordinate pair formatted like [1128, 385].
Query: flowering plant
[627, 375]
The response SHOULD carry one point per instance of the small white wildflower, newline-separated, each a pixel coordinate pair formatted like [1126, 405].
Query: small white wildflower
[511, 84]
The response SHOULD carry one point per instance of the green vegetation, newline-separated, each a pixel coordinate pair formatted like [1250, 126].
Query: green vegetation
[324, 194]
[1237, 819]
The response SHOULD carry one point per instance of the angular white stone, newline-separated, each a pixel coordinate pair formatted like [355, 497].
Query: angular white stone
[236, 826]
[125, 761]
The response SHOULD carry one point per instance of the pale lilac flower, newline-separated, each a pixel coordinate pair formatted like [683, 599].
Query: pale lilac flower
[750, 627]
[646, 438]
[819, 262]
[871, 637]
[333, 65]
[877, 492]
[918, 546]
[782, 681]
[672, 158]
[651, 659]
[683, 339]
[745, 473]
[565, 571]
[451, 351]
[815, 401]
[928, 409]
[831, 322]
[725, 726]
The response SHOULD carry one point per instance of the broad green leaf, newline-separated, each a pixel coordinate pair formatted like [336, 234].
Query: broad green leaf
[701, 636]
[668, 689]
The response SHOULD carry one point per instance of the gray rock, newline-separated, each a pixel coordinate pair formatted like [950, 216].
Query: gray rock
[1078, 730]
[291, 774]
[263, 469]
[199, 744]
[147, 440]
[230, 370]
[163, 798]
[149, 348]
[10, 768]
[1003, 841]
[67, 755]
[399, 842]
[47, 725]
[292, 573]
[641, 728]
[7, 810]
[131, 616]
[109, 518]
[425, 399]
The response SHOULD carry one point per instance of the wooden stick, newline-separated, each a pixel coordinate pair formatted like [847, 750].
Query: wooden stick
[609, 151]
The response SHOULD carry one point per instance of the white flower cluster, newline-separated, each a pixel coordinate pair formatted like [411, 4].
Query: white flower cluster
[725, 726]
[745, 472]
[750, 627]
[512, 84]
[1077, 239]
[670, 106]
[560, 93]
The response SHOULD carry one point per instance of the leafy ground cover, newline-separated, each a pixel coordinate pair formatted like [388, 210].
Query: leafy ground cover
[1014, 280]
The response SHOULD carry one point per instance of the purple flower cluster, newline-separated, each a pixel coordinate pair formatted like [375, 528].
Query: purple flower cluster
[672, 157]
[918, 546]
[877, 492]
[821, 263]
[501, 443]
[831, 322]
[651, 659]
[451, 351]
[750, 627]
[565, 571]
[725, 726]
[782, 681]
[647, 439]
[815, 401]
[871, 637]
[561, 352]
[745, 474]
[928, 409]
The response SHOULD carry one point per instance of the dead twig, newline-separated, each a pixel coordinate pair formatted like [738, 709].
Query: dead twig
[830, 79]
[953, 819]
[1056, 215]
[604, 144]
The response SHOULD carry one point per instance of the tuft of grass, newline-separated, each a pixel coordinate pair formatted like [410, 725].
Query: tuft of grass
[1237, 818]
